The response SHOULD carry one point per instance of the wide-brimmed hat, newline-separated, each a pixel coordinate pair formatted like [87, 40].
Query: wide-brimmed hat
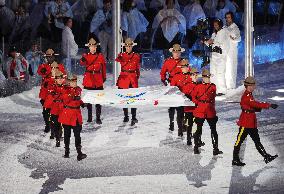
[54, 64]
[249, 81]
[50, 53]
[92, 42]
[206, 73]
[58, 74]
[183, 63]
[194, 71]
[72, 78]
[129, 42]
[176, 48]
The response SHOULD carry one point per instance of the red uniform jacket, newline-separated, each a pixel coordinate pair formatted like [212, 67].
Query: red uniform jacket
[204, 98]
[57, 105]
[50, 95]
[170, 68]
[249, 107]
[95, 74]
[130, 70]
[188, 90]
[44, 70]
[71, 113]
[181, 80]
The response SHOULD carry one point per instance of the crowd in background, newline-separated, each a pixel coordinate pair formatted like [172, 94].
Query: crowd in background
[68, 24]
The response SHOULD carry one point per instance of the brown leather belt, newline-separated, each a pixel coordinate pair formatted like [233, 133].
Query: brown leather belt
[205, 101]
[72, 107]
[57, 100]
[93, 72]
[248, 111]
[129, 71]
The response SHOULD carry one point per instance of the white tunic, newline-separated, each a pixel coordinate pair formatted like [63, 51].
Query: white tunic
[192, 13]
[133, 22]
[171, 22]
[232, 55]
[69, 46]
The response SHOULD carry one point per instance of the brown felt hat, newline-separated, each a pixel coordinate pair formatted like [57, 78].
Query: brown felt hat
[129, 42]
[249, 81]
[92, 42]
[176, 48]
[206, 73]
[50, 53]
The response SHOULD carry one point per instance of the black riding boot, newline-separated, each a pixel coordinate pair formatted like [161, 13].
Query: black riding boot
[90, 113]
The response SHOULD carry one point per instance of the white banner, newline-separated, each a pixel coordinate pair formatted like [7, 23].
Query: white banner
[159, 96]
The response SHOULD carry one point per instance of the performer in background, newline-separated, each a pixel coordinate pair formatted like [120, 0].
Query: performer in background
[169, 69]
[248, 123]
[35, 57]
[232, 55]
[95, 75]
[129, 75]
[219, 46]
[101, 26]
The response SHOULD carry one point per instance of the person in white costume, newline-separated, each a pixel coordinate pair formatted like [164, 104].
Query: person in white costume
[232, 55]
[192, 13]
[156, 4]
[221, 10]
[219, 44]
[69, 46]
[133, 22]
[171, 21]
[101, 26]
[59, 10]
[209, 8]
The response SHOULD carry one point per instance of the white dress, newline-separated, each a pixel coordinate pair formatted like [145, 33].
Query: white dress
[218, 61]
[232, 55]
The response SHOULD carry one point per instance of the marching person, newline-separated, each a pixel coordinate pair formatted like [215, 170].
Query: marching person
[181, 79]
[232, 56]
[95, 75]
[219, 44]
[204, 97]
[16, 65]
[49, 100]
[57, 92]
[188, 110]
[248, 122]
[169, 69]
[71, 117]
[44, 70]
[129, 75]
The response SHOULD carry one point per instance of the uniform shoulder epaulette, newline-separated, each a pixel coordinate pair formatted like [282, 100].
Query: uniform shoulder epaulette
[213, 84]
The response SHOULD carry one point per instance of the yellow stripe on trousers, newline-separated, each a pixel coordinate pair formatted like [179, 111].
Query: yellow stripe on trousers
[239, 136]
